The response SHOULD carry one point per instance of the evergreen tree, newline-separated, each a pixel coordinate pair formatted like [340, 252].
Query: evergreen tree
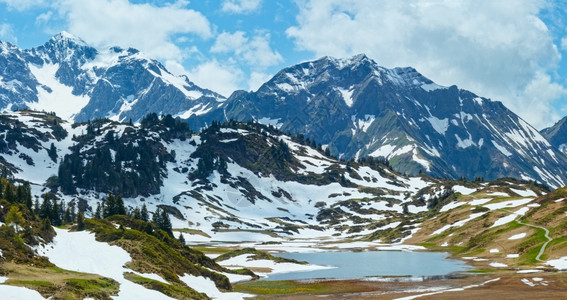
[119, 206]
[109, 207]
[15, 218]
[52, 152]
[166, 222]
[67, 217]
[136, 214]
[156, 218]
[45, 208]
[9, 192]
[55, 215]
[36, 207]
[27, 195]
[144, 213]
[181, 238]
[98, 213]
[80, 222]
[73, 213]
[46, 224]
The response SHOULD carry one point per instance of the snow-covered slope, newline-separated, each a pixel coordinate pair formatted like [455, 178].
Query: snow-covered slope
[236, 176]
[79, 82]
[357, 108]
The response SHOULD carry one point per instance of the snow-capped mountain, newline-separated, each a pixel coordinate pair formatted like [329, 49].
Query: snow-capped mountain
[80, 83]
[236, 175]
[557, 134]
[357, 108]
[244, 176]
[354, 107]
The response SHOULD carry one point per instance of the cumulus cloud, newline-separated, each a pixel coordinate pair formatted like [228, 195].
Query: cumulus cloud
[255, 51]
[240, 6]
[221, 78]
[44, 18]
[494, 48]
[257, 79]
[146, 27]
[21, 5]
[7, 33]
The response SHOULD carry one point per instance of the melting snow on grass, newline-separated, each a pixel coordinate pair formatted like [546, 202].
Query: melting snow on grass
[79, 251]
[452, 205]
[511, 217]
[518, 236]
[457, 224]
[524, 193]
[508, 204]
[463, 190]
[497, 265]
[559, 264]
[207, 286]
[244, 260]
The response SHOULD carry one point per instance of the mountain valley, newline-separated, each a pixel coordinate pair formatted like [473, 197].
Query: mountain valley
[328, 155]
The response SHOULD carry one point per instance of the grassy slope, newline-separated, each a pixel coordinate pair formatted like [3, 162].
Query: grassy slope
[477, 237]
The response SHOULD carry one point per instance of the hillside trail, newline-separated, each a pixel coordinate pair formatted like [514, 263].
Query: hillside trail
[549, 239]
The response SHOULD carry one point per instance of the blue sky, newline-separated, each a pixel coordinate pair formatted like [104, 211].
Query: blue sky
[514, 51]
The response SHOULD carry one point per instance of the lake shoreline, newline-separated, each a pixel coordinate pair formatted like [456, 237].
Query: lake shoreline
[497, 285]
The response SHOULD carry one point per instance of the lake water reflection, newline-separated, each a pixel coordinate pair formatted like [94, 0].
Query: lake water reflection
[354, 265]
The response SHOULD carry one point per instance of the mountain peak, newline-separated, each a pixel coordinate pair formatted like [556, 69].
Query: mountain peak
[66, 37]
[351, 62]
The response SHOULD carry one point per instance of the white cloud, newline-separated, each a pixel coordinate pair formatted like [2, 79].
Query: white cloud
[535, 103]
[257, 79]
[7, 33]
[241, 6]
[44, 18]
[21, 5]
[146, 27]
[175, 68]
[497, 49]
[223, 79]
[256, 52]
[564, 44]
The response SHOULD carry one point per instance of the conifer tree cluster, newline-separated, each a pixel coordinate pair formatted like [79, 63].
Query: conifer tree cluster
[129, 164]
[17, 213]
[55, 211]
[162, 221]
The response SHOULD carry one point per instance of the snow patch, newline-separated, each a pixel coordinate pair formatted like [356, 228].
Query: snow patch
[507, 219]
[347, 95]
[508, 204]
[207, 286]
[524, 193]
[518, 236]
[497, 265]
[19, 293]
[559, 264]
[501, 148]
[463, 190]
[440, 125]
[60, 99]
[274, 122]
[428, 87]
[81, 252]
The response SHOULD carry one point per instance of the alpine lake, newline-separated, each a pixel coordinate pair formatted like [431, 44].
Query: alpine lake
[373, 264]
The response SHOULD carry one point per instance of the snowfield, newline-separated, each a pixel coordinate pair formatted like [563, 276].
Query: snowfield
[79, 251]
[245, 261]
[559, 264]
